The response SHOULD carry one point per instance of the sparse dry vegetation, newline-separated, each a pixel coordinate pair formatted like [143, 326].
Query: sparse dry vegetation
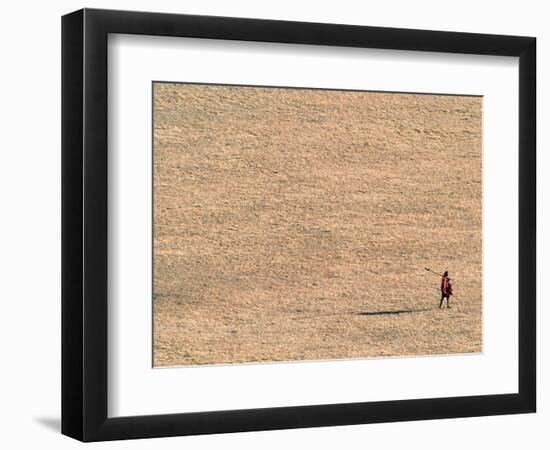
[281, 216]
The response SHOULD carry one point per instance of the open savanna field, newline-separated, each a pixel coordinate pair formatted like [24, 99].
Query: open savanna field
[295, 224]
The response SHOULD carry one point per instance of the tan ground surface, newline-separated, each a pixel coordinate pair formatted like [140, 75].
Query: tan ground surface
[282, 215]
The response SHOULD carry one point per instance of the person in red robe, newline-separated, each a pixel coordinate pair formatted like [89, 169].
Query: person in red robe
[446, 289]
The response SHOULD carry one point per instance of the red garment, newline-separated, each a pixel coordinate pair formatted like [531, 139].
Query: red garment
[446, 286]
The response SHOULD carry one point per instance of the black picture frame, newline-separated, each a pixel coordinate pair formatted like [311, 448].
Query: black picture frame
[84, 224]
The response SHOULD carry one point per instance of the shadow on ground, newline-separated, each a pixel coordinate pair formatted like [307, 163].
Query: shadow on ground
[389, 312]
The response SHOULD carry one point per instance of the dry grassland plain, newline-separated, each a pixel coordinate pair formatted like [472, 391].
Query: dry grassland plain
[295, 224]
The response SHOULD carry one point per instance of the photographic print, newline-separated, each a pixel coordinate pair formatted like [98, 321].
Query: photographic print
[299, 224]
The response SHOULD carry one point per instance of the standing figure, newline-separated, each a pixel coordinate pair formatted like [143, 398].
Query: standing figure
[446, 289]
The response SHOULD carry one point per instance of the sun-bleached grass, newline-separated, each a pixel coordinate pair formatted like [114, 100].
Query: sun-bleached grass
[281, 216]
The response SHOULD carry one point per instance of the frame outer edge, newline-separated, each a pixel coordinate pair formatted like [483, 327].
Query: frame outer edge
[528, 222]
[72, 89]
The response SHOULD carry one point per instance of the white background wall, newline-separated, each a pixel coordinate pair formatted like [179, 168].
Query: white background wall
[30, 221]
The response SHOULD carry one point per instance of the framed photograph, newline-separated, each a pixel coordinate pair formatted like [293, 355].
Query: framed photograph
[272, 224]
